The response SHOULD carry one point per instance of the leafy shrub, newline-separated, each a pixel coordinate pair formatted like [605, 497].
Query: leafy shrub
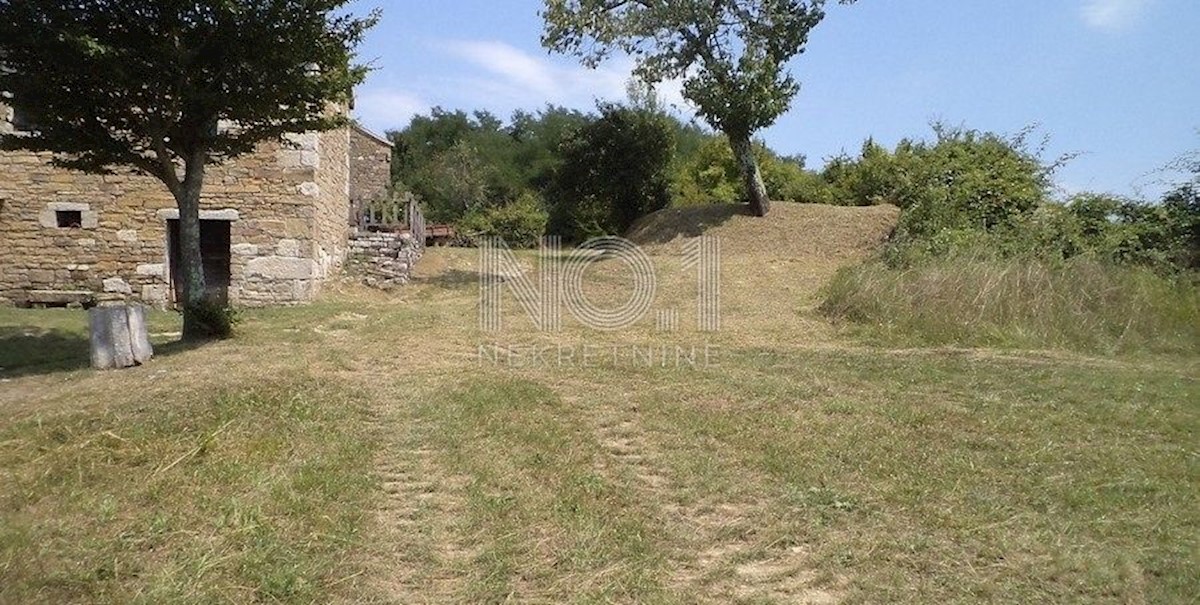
[455, 160]
[963, 179]
[614, 171]
[1083, 304]
[709, 175]
[521, 223]
[1181, 208]
[210, 319]
[876, 177]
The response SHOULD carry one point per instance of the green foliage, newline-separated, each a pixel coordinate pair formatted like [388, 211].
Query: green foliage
[147, 75]
[983, 257]
[1182, 210]
[152, 85]
[970, 191]
[521, 223]
[708, 174]
[1027, 302]
[456, 180]
[455, 161]
[731, 56]
[210, 320]
[875, 177]
[614, 171]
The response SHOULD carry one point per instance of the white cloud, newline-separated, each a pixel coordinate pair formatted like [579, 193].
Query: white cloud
[515, 78]
[511, 65]
[1112, 14]
[387, 109]
[501, 78]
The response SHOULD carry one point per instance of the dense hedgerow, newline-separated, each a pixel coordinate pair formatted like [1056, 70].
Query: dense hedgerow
[983, 256]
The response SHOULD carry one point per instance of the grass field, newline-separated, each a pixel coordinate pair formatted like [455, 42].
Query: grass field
[362, 450]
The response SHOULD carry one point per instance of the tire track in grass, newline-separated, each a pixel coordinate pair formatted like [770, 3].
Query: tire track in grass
[719, 553]
[425, 558]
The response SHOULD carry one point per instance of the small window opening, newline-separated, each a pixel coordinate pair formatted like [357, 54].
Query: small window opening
[23, 120]
[69, 219]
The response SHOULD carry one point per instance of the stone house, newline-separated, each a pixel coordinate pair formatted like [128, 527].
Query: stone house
[274, 223]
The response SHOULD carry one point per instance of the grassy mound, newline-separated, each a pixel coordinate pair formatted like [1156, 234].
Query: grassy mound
[789, 231]
[1081, 305]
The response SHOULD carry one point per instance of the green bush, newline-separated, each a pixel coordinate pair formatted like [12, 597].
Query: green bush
[1182, 210]
[614, 171]
[521, 223]
[210, 320]
[1083, 304]
[709, 175]
[876, 177]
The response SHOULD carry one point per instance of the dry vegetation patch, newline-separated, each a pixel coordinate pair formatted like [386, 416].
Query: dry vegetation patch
[358, 450]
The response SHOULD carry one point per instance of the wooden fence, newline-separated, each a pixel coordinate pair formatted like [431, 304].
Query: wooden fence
[394, 214]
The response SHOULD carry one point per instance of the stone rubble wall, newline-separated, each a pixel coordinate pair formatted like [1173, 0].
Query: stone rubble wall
[383, 260]
[371, 166]
[287, 206]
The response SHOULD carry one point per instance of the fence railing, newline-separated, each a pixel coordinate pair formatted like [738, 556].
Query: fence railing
[393, 214]
[416, 221]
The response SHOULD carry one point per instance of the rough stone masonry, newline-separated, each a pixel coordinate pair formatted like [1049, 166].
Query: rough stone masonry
[287, 209]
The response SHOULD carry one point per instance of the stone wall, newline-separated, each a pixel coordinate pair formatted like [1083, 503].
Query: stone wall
[371, 166]
[280, 201]
[332, 206]
[383, 260]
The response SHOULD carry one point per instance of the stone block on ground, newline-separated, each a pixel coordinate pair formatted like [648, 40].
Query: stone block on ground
[119, 338]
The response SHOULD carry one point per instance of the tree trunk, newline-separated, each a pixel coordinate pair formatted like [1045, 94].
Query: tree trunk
[756, 191]
[191, 262]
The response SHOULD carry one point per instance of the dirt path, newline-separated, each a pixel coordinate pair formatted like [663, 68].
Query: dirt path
[712, 548]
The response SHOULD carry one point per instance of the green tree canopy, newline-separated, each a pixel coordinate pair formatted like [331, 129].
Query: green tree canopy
[614, 171]
[732, 56]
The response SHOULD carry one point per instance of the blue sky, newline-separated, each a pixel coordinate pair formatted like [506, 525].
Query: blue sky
[1118, 80]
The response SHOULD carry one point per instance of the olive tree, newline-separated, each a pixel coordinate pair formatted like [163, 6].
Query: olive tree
[732, 56]
[169, 87]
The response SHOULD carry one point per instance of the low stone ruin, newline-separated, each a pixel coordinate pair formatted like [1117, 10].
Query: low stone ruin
[383, 259]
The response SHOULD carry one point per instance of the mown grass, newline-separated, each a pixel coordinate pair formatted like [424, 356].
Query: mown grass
[537, 502]
[252, 495]
[930, 478]
[1080, 305]
[908, 477]
[52, 340]
[356, 450]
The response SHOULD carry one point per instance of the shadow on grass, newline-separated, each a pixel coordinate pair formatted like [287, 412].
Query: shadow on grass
[31, 350]
[451, 279]
[689, 221]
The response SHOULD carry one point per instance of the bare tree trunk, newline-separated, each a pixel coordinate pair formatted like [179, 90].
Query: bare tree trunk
[191, 261]
[756, 190]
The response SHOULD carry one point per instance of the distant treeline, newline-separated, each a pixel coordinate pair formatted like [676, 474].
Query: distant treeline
[578, 175]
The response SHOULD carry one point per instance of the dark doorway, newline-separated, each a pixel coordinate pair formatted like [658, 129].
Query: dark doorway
[214, 250]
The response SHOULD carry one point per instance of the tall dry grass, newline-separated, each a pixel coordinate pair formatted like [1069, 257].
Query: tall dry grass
[1082, 305]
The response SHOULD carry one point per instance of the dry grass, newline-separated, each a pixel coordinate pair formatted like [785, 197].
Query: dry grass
[358, 450]
[1081, 305]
